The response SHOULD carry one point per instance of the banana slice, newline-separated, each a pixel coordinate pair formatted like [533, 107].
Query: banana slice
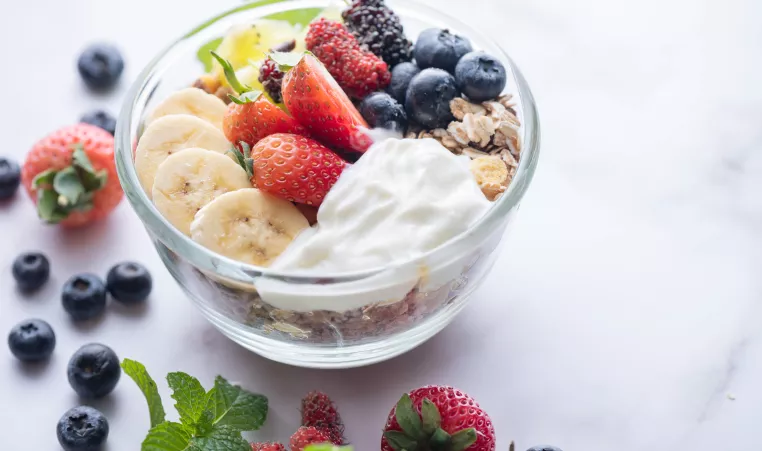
[190, 179]
[248, 225]
[191, 101]
[491, 174]
[171, 134]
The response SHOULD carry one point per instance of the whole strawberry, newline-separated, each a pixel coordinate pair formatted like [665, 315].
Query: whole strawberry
[71, 176]
[308, 436]
[268, 446]
[318, 410]
[357, 70]
[434, 418]
[293, 167]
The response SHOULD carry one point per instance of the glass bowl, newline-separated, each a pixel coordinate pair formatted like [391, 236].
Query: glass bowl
[335, 320]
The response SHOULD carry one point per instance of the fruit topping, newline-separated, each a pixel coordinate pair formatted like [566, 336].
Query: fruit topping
[294, 168]
[480, 76]
[440, 49]
[100, 119]
[32, 340]
[314, 98]
[192, 101]
[438, 418]
[268, 446]
[248, 225]
[129, 282]
[71, 176]
[402, 73]
[359, 72]
[190, 179]
[101, 66]
[319, 411]
[31, 270]
[82, 429]
[10, 178]
[271, 78]
[380, 110]
[171, 134]
[84, 297]
[378, 28]
[308, 436]
[429, 96]
[94, 371]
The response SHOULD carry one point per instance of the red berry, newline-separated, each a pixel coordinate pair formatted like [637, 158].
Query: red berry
[319, 410]
[101, 189]
[308, 436]
[268, 446]
[295, 168]
[357, 70]
[271, 78]
[254, 120]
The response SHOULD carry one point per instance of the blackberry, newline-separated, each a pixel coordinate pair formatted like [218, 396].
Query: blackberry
[272, 80]
[378, 28]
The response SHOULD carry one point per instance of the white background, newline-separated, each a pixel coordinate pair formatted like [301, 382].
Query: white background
[623, 314]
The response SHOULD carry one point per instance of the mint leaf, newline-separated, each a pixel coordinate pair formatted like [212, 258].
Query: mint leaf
[235, 407]
[138, 373]
[66, 183]
[190, 397]
[222, 438]
[167, 437]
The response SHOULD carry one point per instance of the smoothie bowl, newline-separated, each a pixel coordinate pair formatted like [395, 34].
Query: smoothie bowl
[327, 194]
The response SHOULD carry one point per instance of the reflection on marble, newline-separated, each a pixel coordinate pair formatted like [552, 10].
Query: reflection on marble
[624, 313]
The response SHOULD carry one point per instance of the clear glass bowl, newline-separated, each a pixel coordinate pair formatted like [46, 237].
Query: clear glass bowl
[336, 320]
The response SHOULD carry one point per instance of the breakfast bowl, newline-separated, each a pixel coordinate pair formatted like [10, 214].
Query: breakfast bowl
[332, 319]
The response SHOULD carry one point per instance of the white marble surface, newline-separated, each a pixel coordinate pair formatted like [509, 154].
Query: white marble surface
[624, 312]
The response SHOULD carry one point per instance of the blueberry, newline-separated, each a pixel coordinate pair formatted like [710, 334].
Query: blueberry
[10, 178]
[544, 448]
[440, 48]
[380, 110]
[31, 270]
[84, 296]
[402, 73]
[101, 119]
[129, 282]
[480, 76]
[94, 371]
[32, 340]
[428, 98]
[100, 66]
[82, 429]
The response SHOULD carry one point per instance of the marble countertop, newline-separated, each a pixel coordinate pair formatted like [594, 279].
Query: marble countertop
[624, 312]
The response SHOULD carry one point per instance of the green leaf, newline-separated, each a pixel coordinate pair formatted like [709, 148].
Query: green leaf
[213, 20]
[44, 179]
[47, 203]
[80, 160]
[167, 437]
[229, 72]
[235, 407]
[91, 179]
[222, 438]
[190, 397]
[408, 418]
[205, 56]
[431, 417]
[327, 447]
[440, 439]
[462, 439]
[246, 97]
[138, 373]
[400, 441]
[66, 183]
[302, 16]
[286, 60]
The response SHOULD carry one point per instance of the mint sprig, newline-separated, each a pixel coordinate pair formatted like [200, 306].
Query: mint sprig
[209, 420]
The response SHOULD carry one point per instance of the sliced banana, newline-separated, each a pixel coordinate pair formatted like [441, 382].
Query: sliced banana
[248, 225]
[171, 134]
[491, 174]
[190, 179]
[191, 101]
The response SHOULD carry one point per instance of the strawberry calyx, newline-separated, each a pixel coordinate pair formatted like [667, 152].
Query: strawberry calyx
[423, 432]
[243, 157]
[61, 192]
[246, 94]
[288, 60]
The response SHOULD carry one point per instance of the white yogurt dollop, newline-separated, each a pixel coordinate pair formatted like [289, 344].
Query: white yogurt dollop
[402, 198]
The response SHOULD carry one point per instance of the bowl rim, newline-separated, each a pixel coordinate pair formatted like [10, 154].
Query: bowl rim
[205, 259]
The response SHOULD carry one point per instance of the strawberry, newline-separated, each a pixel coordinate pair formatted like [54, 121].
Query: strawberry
[71, 176]
[293, 167]
[437, 418]
[357, 70]
[308, 436]
[319, 410]
[251, 116]
[314, 98]
[268, 446]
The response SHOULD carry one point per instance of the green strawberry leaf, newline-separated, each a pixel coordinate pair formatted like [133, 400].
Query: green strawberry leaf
[190, 397]
[462, 439]
[235, 407]
[246, 97]
[222, 438]
[68, 186]
[44, 179]
[167, 436]
[47, 206]
[408, 418]
[138, 373]
[286, 60]
[205, 57]
[229, 72]
[399, 441]
[431, 417]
